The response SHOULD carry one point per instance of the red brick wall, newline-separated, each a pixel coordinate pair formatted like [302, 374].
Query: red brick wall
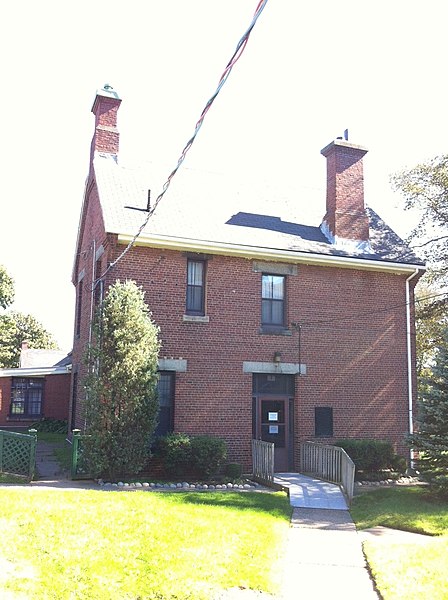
[353, 342]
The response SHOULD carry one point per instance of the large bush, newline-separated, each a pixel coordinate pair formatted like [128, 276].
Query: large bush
[202, 455]
[370, 456]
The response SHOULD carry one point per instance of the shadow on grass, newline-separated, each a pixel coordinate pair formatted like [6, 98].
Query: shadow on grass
[276, 503]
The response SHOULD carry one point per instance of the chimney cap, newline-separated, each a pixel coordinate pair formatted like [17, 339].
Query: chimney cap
[345, 144]
[108, 92]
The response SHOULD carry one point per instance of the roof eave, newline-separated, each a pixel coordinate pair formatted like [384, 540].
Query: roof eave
[35, 371]
[271, 254]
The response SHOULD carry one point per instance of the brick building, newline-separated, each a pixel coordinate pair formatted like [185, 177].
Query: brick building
[272, 326]
[39, 388]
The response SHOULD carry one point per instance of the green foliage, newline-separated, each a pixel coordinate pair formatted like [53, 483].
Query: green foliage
[369, 456]
[425, 188]
[6, 288]
[431, 436]
[121, 389]
[49, 425]
[207, 454]
[16, 328]
[182, 454]
[175, 451]
[233, 471]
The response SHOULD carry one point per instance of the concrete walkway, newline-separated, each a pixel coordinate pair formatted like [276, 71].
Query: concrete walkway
[324, 556]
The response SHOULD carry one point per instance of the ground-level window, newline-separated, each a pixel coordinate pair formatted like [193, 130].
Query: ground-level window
[323, 421]
[26, 397]
[165, 390]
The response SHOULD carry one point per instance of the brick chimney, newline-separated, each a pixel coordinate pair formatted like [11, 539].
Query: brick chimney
[105, 108]
[346, 223]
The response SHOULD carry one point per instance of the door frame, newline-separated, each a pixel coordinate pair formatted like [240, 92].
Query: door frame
[283, 457]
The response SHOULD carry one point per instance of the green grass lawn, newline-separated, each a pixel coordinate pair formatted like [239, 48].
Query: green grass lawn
[412, 570]
[127, 545]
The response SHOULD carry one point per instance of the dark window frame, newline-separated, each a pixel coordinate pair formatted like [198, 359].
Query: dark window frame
[323, 421]
[22, 395]
[270, 304]
[166, 424]
[79, 307]
[195, 292]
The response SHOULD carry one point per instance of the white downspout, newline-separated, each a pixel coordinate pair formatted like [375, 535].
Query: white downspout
[409, 357]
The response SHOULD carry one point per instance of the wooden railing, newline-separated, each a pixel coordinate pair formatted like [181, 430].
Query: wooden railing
[263, 461]
[330, 463]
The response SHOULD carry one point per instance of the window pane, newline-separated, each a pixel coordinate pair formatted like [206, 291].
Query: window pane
[34, 402]
[17, 408]
[266, 289]
[277, 288]
[323, 421]
[272, 287]
[277, 313]
[195, 272]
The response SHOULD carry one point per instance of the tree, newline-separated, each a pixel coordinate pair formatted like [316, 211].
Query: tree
[431, 436]
[16, 328]
[431, 320]
[121, 394]
[6, 288]
[425, 188]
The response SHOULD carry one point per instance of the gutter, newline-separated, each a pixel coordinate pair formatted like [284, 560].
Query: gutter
[409, 358]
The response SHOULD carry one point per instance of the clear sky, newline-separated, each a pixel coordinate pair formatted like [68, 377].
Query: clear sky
[310, 70]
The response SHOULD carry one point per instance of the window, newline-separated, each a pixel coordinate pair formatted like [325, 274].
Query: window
[74, 400]
[26, 397]
[323, 421]
[195, 287]
[273, 300]
[79, 308]
[98, 286]
[165, 390]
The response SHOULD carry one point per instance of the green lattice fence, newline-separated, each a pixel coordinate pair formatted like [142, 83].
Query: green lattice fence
[18, 453]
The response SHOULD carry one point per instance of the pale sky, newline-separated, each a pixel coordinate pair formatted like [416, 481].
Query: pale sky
[310, 70]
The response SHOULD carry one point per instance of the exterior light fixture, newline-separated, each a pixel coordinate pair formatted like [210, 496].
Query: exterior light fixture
[277, 357]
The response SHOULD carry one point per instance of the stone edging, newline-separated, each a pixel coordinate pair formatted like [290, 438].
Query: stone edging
[390, 482]
[184, 486]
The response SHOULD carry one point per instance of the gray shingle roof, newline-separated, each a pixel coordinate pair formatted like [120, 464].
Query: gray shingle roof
[213, 208]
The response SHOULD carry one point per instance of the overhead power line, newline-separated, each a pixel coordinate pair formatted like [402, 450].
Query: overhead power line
[235, 57]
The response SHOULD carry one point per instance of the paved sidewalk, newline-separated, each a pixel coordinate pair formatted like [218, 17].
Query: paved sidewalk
[324, 556]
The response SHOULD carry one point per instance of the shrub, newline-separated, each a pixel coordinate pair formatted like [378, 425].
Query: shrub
[181, 454]
[370, 455]
[233, 471]
[51, 425]
[175, 451]
[208, 454]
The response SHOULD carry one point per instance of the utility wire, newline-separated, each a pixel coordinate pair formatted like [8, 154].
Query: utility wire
[235, 57]
[310, 324]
